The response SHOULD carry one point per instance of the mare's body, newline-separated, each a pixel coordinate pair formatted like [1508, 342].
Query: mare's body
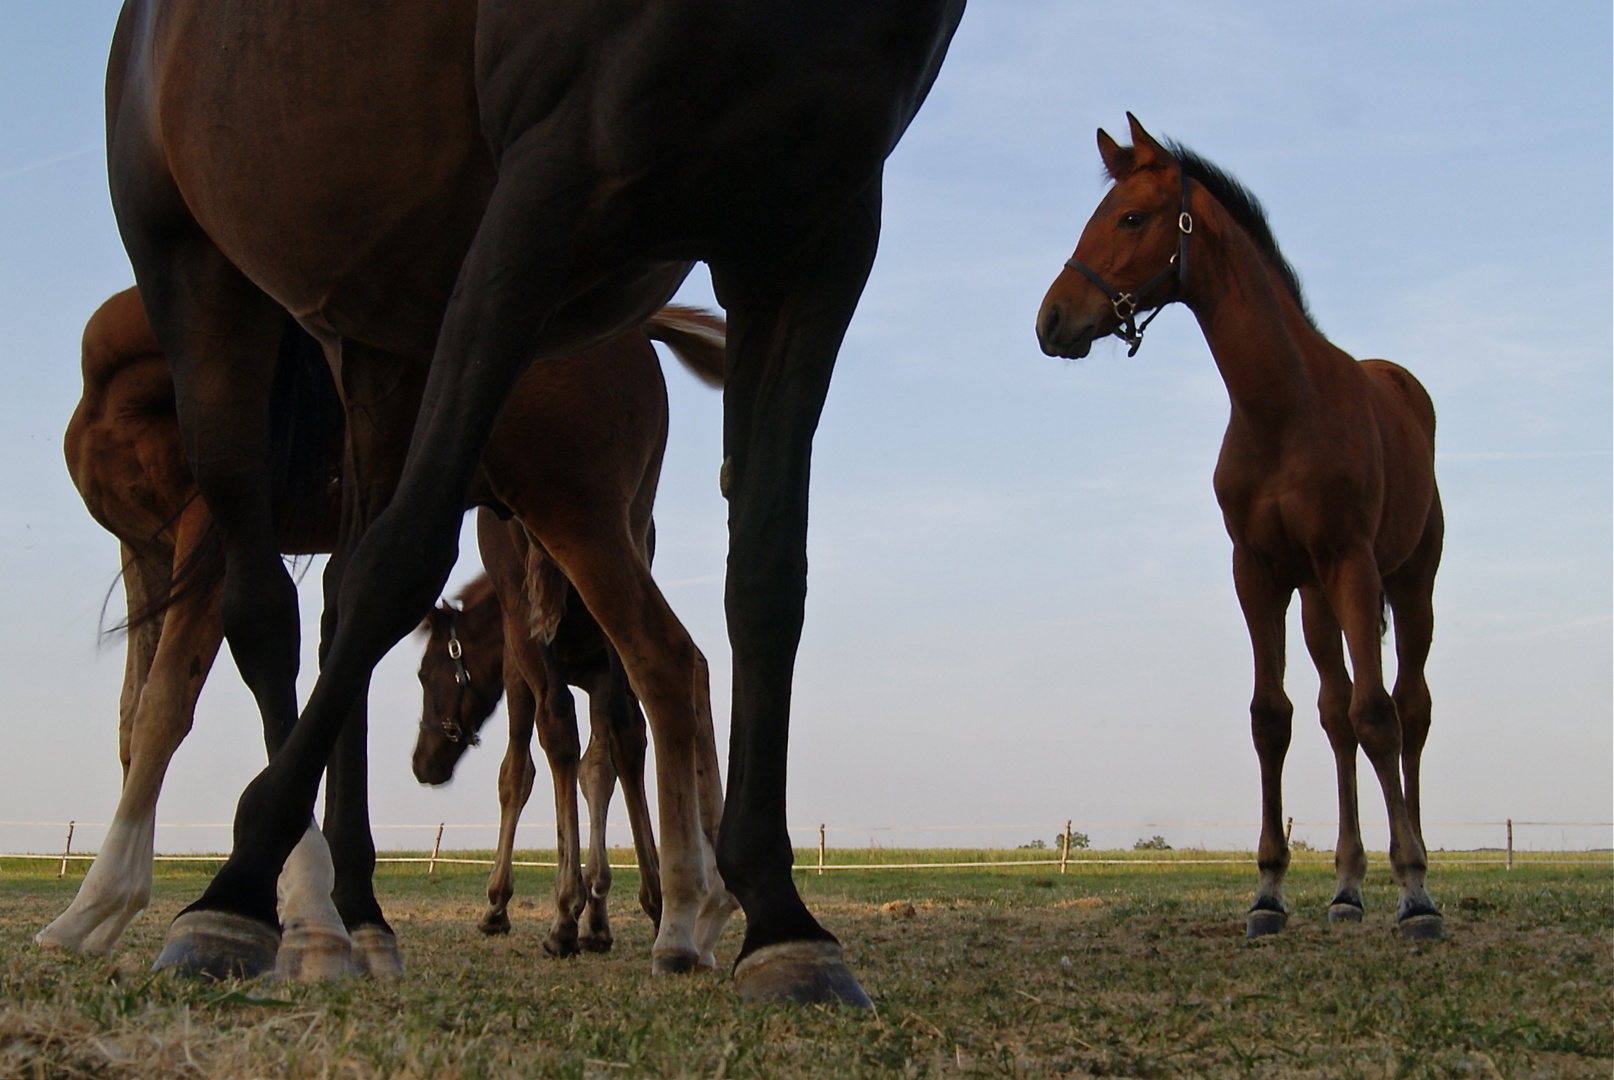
[1326, 482]
[443, 197]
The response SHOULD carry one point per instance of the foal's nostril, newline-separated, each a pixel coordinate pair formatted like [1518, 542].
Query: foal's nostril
[1050, 322]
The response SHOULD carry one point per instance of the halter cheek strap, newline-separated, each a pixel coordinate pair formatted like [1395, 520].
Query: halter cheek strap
[450, 724]
[1127, 304]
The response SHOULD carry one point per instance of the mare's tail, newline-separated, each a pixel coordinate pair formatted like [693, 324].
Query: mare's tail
[305, 457]
[698, 338]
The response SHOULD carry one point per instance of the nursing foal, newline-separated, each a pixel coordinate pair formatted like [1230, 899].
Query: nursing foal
[1326, 482]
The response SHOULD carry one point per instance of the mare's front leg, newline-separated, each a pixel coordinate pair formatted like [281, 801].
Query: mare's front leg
[1271, 716]
[169, 658]
[786, 323]
[380, 394]
[516, 775]
[1354, 591]
[1333, 708]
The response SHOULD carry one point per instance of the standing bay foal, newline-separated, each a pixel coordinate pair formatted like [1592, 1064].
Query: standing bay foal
[1326, 482]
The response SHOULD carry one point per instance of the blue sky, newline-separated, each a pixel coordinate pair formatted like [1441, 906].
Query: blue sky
[1020, 607]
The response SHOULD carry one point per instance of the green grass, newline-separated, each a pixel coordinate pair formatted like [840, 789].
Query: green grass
[1124, 969]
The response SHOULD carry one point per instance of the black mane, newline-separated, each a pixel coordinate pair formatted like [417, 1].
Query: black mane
[1244, 208]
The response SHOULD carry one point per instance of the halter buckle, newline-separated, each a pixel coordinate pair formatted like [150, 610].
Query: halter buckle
[1185, 223]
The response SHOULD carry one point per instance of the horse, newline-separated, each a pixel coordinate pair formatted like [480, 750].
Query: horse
[443, 197]
[1326, 483]
[524, 635]
[124, 454]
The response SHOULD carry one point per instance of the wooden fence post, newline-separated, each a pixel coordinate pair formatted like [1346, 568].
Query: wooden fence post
[1064, 853]
[1510, 843]
[1288, 830]
[437, 845]
[820, 849]
[67, 849]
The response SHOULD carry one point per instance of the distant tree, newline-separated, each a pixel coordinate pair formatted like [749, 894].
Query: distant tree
[1078, 841]
[1035, 845]
[1154, 843]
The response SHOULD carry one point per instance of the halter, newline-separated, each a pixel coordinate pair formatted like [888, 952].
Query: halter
[1126, 304]
[450, 725]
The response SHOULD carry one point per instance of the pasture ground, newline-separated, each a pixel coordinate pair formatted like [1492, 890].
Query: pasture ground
[1114, 970]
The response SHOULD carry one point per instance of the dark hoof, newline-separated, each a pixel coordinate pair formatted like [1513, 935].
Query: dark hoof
[218, 945]
[561, 946]
[1429, 927]
[676, 963]
[375, 951]
[494, 923]
[1343, 911]
[1262, 922]
[804, 972]
[596, 943]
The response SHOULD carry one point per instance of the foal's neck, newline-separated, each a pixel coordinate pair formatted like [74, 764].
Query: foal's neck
[1263, 344]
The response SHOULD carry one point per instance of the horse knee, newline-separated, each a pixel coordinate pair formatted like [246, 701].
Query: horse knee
[1376, 724]
[1271, 720]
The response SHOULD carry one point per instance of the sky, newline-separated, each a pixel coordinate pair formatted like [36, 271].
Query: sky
[1020, 606]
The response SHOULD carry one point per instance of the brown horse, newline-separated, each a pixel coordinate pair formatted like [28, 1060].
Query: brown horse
[524, 634]
[443, 197]
[124, 454]
[1326, 482]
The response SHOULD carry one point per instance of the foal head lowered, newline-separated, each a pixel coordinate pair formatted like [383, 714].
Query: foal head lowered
[461, 681]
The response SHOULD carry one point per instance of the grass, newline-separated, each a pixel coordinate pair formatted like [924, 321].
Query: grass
[1125, 969]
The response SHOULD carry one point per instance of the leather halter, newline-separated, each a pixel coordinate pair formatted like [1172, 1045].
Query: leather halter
[450, 725]
[1127, 304]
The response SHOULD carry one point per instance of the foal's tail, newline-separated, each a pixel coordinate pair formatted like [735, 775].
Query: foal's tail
[698, 338]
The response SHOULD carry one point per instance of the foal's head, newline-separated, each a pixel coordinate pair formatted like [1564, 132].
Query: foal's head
[1131, 246]
[461, 680]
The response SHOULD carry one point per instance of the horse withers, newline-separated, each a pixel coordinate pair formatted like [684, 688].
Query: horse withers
[1326, 483]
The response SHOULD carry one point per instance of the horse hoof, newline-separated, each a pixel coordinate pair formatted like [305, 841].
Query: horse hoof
[1344, 912]
[1429, 927]
[560, 947]
[218, 945]
[313, 954]
[596, 943]
[375, 951]
[1262, 922]
[804, 972]
[678, 962]
[491, 924]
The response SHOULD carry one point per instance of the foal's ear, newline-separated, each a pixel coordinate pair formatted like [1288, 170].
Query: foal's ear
[1146, 152]
[1117, 158]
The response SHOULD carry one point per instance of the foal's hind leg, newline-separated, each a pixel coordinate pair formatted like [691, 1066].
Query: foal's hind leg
[1333, 707]
[516, 776]
[1271, 716]
[118, 884]
[1354, 588]
[597, 777]
[557, 734]
[1410, 591]
[625, 732]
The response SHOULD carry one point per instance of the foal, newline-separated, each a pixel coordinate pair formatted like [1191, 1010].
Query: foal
[523, 634]
[1326, 482]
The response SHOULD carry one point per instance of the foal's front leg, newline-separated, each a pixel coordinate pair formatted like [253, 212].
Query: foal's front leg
[1354, 591]
[516, 776]
[1333, 707]
[1265, 603]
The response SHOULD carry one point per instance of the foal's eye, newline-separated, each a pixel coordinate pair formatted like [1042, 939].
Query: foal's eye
[1131, 219]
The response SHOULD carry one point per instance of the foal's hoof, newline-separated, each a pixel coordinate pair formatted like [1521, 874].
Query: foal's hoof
[804, 972]
[313, 953]
[375, 951]
[1261, 922]
[1343, 911]
[596, 943]
[676, 962]
[218, 945]
[1423, 927]
[494, 922]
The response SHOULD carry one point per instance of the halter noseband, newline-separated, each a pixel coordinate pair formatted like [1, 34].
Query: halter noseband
[450, 725]
[1126, 304]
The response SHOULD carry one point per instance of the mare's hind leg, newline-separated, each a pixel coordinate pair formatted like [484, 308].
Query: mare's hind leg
[516, 776]
[1333, 707]
[1354, 589]
[597, 777]
[1410, 591]
[170, 676]
[1271, 717]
